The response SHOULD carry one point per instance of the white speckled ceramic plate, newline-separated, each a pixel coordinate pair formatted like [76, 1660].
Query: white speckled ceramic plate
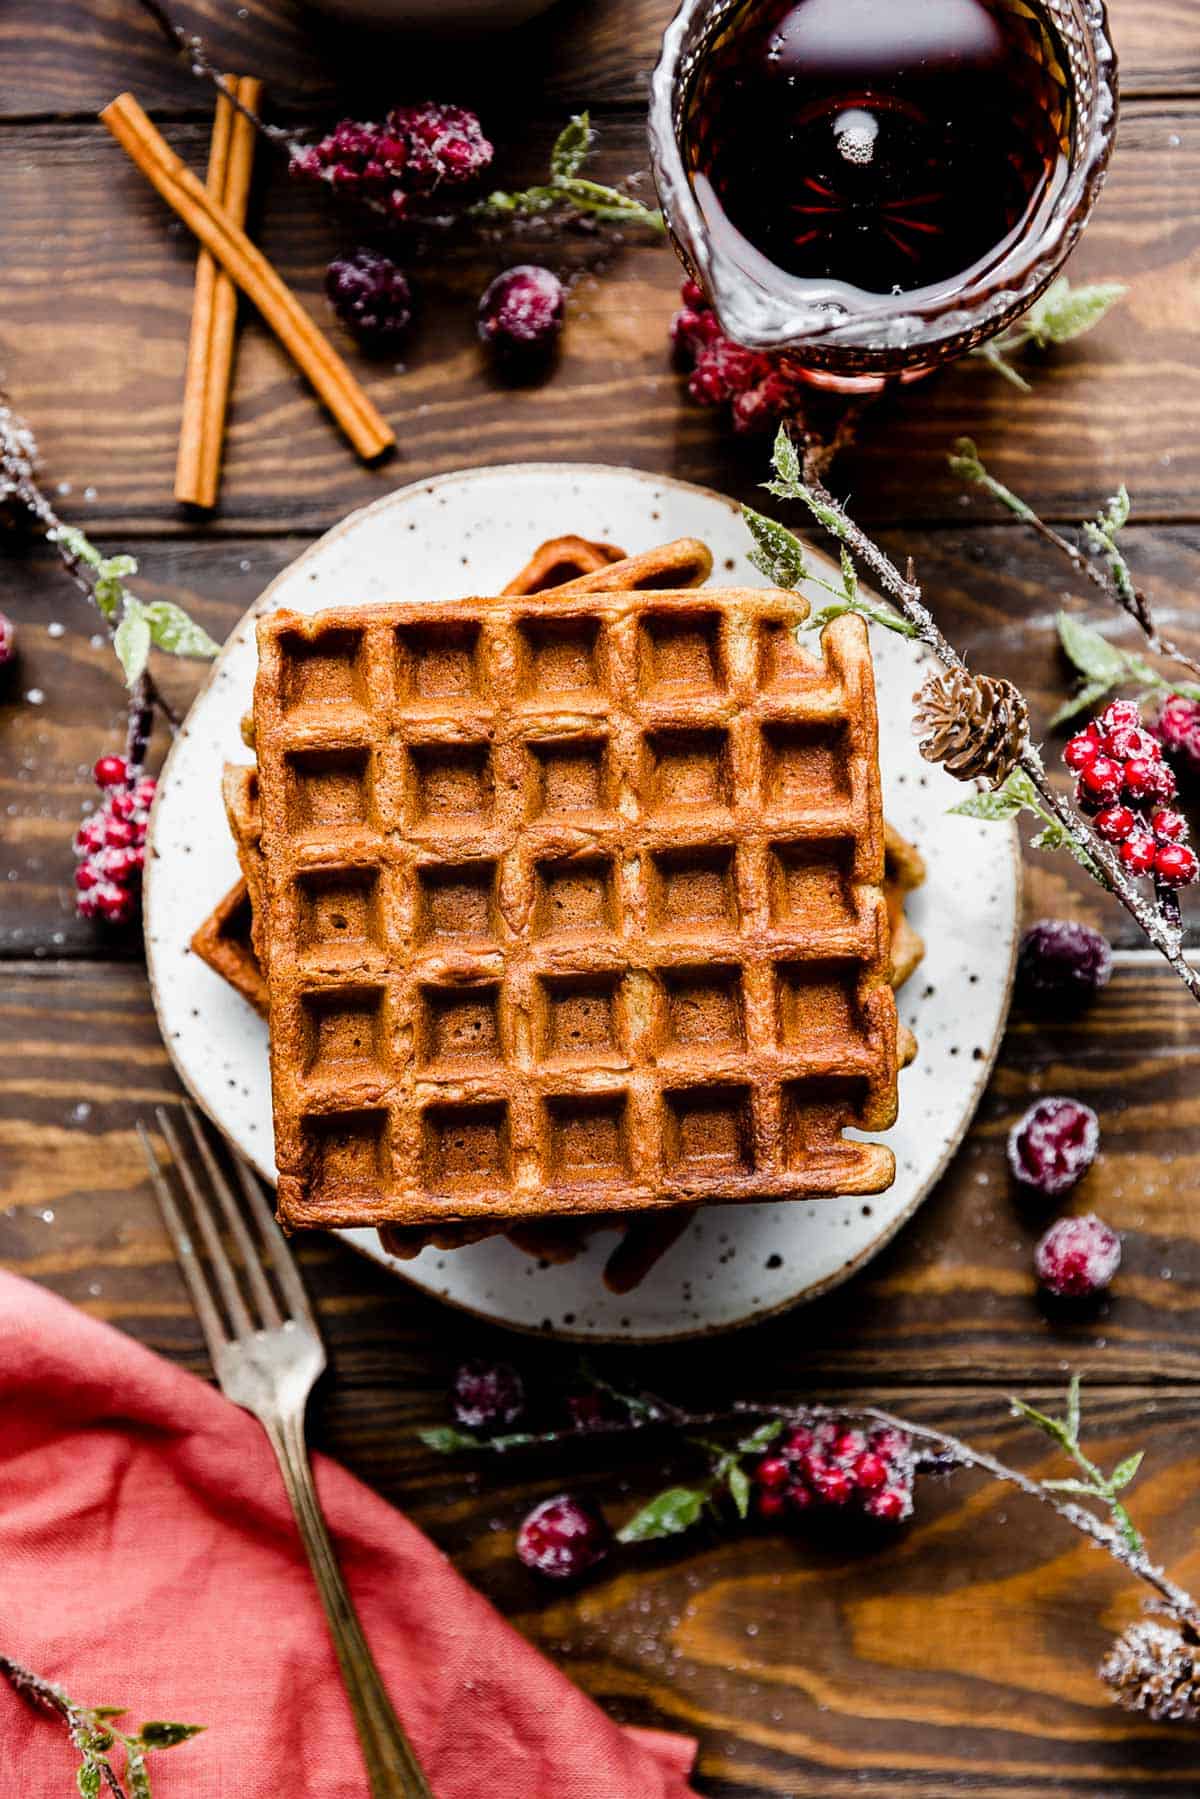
[468, 533]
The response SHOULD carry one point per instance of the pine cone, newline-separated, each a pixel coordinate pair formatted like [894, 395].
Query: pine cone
[1153, 1668]
[976, 726]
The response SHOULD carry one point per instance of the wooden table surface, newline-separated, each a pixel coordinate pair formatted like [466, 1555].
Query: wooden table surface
[960, 1657]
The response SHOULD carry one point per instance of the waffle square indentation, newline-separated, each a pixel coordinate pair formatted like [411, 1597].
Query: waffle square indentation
[686, 769]
[343, 1032]
[680, 651]
[329, 789]
[440, 661]
[704, 1008]
[346, 1151]
[324, 672]
[578, 1018]
[589, 1137]
[574, 897]
[816, 1003]
[456, 900]
[815, 1113]
[452, 781]
[709, 1130]
[466, 1147]
[811, 881]
[804, 765]
[458, 1027]
[571, 775]
[559, 656]
[339, 909]
[693, 890]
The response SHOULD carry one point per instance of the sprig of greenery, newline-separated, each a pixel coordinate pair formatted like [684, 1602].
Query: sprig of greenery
[136, 625]
[677, 1509]
[1103, 666]
[1063, 312]
[566, 188]
[95, 1733]
[1018, 794]
[1095, 1485]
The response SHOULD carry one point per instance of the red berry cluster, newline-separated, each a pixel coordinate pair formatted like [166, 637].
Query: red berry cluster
[757, 389]
[835, 1465]
[416, 150]
[8, 640]
[1179, 728]
[1122, 779]
[111, 845]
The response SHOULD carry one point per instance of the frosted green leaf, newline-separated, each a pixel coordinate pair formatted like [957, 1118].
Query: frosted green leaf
[669, 1513]
[739, 1489]
[785, 458]
[1085, 700]
[1091, 653]
[448, 1441]
[992, 807]
[1124, 1472]
[172, 630]
[571, 147]
[1065, 312]
[162, 1735]
[761, 1438]
[778, 553]
[87, 1779]
[131, 640]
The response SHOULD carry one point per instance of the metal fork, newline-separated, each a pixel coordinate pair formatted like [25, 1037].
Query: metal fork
[267, 1355]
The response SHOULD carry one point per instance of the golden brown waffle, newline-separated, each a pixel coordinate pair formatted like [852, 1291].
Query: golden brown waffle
[239, 793]
[574, 907]
[562, 559]
[225, 942]
[903, 869]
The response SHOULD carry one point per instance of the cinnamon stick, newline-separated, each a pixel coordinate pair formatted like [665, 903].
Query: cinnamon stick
[244, 263]
[214, 307]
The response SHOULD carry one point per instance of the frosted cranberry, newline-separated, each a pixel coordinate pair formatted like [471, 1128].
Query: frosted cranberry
[1053, 1145]
[799, 1496]
[1132, 741]
[849, 1443]
[371, 296]
[693, 295]
[120, 803]
[90, 835]
[521, 312]
[1165, 785]
[144, 792]
[1179, 728]
[120, 865]
[1077, 1257]
[8, 640]
[770, 1504]
[110, 771]
[1120, 713]
[119, 833]
[87, 875]
[1175, 865]
[892, 1506]
[444, 145]
[870, 1471]
[1080, 751]
[1138, 853]
[1100, 782]
[1062, 963]
[692, 332]
[830, 1484]
[562, 1538]
[773, 1471]
[1115, 823]
[1140, 778]
[1168, 826]
[116, 905]
[891, 1443]
[797, 1443]
[487, 1396]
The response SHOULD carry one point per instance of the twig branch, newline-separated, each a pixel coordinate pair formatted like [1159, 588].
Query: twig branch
[191, 47]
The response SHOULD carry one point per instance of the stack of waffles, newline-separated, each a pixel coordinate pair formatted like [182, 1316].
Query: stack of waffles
[569, 907]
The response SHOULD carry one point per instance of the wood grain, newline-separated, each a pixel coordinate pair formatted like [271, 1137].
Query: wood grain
[951, 1300]
[983, 580]
[1116, 406]
[75, 56]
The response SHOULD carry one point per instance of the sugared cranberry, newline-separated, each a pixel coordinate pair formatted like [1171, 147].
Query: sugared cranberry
[1081, 751]
[487, 1396]
[1175, 865]
[521, 312]
[832, 1485]
[1165, 785]
[773, 1471]
[870, 1471]
[1053, 1145]
[1101, 781]
[1062, 963]
[1115, 823]
[1179, 728]
[417, 151]
[770, 1504]
[1118, 714]
[371, 296]
[119, 833]
[90, 835]
[1140, 778]
[562, 1538]
[110, 771]
[87, 875]
[892, 1506]
[1132, 741]
[1168, 826]
[1138, 853]
[8, 640]
[1077, 1257]
[800, 1496]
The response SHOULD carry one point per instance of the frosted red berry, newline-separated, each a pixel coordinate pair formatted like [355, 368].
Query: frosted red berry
[1140, 778]
[521, 312]
[1175, 865]
[400, 166]
[1131, 741]
[892, 1506]
[371, 296]
[1062, 963]
[836, 1467]
[487, 1396]
[1168, 826]
[562, 1538]
[1120, 713]
[1115, 823]
[8, 640]
[770, 1504]
[1081, 750]
[870, 1471]
[110, 771]
[1100, 783]
[1179, 729]
[1053, 1145]
[1138, 853]
[1077, 1257]
[773, 1471]
[110, 846]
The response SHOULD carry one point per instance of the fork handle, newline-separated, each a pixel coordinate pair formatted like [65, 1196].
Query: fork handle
[392, 1766]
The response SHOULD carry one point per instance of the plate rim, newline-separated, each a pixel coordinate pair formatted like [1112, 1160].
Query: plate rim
[378, 1256]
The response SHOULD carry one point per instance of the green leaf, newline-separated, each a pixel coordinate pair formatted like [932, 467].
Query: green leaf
[669, 1513]
[161, 1735]
[172, 630]
[571, 147]
[139, 1777]
[1053, 1427]
[1074, 1407]
[739, 1488]
[762, 1438]
[1084, 699]
[779, 554]
[448, 1441]
[87, 1779]
[1089, 651]
[77, 544]
[997, 361]
[1086, 1489]
[785, 459]
[1065, 312]
[994, 808]
[1115, 516]
[1127, 1528]
[849, 576]
[108, 1711]
[1124, 1472]
[131, 639]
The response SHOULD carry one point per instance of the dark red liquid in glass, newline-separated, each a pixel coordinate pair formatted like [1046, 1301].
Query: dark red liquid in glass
[878, 147]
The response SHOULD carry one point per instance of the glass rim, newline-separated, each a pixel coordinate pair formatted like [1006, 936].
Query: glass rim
[761, 320]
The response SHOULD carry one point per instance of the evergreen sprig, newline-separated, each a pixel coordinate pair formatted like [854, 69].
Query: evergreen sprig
[135, 624]
[1095, 1485]
[566, 189]
[97, 1736]
[1016, 795]
[1064, 312]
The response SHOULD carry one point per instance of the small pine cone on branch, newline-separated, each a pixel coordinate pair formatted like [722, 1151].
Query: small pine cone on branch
[976, 726]
[1153, 1668]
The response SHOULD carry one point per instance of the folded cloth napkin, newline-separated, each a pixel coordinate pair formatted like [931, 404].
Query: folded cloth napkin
[148, 1558]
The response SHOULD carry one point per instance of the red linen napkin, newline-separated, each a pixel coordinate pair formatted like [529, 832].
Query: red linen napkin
[148, 1558]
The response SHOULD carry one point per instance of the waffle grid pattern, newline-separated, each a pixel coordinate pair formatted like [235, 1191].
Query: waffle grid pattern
[574, 907]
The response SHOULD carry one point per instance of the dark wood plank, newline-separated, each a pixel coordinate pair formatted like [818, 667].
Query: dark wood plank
[74, 59]
[952, 1300]
[981, 579]
[97, 315]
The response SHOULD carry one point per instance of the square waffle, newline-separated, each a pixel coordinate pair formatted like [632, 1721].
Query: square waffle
[573, 907]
